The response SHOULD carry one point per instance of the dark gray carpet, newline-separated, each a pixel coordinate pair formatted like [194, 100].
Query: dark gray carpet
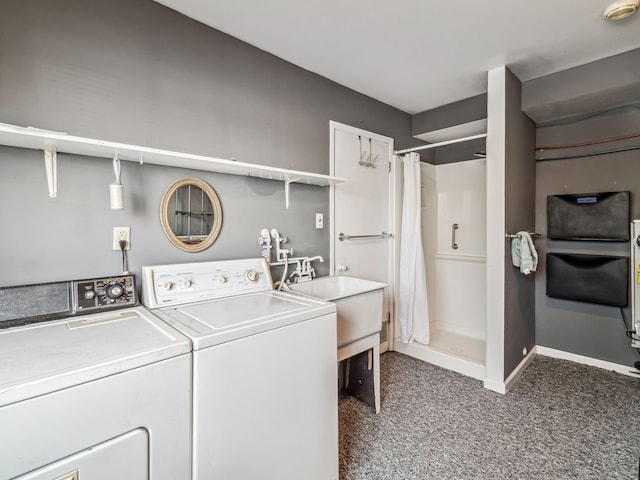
[562, 420]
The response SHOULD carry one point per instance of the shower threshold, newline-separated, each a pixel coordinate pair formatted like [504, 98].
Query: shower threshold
[460, 353]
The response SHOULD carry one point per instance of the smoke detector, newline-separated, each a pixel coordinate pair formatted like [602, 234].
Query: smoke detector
[621, 9]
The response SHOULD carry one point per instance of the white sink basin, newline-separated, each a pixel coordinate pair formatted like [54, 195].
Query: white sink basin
[358, 304]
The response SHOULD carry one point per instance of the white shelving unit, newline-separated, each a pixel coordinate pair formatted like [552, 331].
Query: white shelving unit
[440, 144]
[52, 142]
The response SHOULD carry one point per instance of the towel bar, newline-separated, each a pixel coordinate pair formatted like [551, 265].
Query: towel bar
[510, 236]
[344, 236]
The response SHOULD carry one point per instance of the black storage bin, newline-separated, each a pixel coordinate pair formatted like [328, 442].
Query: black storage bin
[589, 216]
[588, 278]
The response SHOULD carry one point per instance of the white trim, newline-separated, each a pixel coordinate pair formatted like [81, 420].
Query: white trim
[496, 128]
[504, 387]
[592, 362]
[477, 370]
[450, 362]
[495, 386]
[519, 370]
[333, 125]
[397, 187]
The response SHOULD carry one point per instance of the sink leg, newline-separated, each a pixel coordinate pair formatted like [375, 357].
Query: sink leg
[363, 377]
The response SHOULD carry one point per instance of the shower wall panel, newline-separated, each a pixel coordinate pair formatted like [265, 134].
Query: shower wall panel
[461, 295]
[462, 200]
[456, 277]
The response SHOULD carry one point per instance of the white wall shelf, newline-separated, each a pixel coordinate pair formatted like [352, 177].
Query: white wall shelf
[34, 138]
[440, 144]
[462, 130]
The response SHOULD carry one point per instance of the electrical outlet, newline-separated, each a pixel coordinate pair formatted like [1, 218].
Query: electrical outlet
[121, 233]
[319, 220]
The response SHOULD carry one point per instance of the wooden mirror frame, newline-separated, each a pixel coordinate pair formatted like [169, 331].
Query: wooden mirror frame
[165, 218]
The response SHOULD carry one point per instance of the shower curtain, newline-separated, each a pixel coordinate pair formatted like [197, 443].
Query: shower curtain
[414, 314]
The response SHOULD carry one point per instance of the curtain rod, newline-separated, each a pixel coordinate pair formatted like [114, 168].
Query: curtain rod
[584, 155]
[440, 144]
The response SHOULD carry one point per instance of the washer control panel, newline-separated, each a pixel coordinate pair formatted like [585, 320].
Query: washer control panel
[167, 285]
[104, 293]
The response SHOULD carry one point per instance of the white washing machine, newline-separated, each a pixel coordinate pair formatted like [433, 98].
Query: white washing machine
[98, 396]
[264, 370]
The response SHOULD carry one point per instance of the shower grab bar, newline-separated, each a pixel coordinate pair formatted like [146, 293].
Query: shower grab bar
[344, 236]
[454, 227]
[511, 236]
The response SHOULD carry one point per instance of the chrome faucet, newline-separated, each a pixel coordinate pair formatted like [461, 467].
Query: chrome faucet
[264, 239]
[281, 253]
[304, 271]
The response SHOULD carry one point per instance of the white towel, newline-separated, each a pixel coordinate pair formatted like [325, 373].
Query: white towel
[523, 253]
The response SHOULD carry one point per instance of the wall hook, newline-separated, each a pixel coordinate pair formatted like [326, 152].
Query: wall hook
[116, 193]
[51, 164]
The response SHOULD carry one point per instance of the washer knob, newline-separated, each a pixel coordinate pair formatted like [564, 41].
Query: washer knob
[222, 279]
[89, 294]
[115, 291]
[184, 283]
[167, 286]
[252, 276]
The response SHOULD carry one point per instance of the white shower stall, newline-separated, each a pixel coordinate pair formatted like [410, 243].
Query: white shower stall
[453, 218]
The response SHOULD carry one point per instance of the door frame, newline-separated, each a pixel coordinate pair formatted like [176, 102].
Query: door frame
[393, 220]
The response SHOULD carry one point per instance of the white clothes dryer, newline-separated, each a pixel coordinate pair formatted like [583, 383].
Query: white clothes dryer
[264, 370]
[99, 396]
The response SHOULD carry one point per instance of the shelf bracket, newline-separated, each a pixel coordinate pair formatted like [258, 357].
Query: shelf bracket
[287, 190]
[51, 164]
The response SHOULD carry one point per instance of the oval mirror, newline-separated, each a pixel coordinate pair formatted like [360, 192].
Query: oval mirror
[191, 215]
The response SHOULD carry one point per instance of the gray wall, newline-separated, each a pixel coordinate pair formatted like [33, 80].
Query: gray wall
[134, 71]
[585, 329]
[452, 114]
[520, 188]
[70, 236]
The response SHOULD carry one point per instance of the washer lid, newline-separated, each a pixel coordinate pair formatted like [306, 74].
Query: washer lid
[45, 357]
[218, 321]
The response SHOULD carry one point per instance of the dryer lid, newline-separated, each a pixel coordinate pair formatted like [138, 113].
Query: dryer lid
[45, 357]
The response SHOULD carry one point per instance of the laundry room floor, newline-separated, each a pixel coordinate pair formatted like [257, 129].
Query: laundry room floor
[561, 420]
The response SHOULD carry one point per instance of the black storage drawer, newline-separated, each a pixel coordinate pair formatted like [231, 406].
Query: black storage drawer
[588, 278]
[589, 216]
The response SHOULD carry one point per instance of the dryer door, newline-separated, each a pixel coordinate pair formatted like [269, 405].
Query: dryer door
[126, 456]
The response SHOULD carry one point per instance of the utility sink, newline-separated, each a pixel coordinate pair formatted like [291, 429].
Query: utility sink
[359, 311]
[358, 304]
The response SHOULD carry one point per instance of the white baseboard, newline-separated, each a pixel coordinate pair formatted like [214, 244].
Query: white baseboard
[474, 370]
[592, 362]
[503, 387]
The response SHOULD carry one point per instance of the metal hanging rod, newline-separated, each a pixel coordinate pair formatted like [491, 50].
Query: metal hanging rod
[440, 144]
[511, 236]
[344, 236]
